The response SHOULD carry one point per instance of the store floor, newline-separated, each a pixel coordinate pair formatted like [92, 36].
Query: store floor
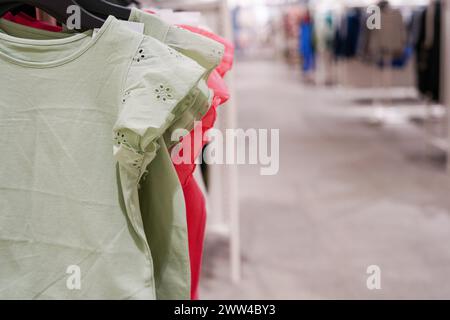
[348, 195]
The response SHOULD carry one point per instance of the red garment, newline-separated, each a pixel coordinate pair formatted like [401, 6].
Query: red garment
[194, 198]
[26, 20]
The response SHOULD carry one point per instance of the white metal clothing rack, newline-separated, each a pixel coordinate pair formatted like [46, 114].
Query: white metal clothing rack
[446, 67]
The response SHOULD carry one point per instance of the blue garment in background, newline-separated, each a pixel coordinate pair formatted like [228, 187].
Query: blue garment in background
[306, 47]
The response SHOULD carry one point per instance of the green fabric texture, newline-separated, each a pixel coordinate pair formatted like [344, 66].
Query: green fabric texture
[161, 199]
[154, 203]
[59, 188]
[192, 107]
[206, 52]
[170, 274]
[166, 227]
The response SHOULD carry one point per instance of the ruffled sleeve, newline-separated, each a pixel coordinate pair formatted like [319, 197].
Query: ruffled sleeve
[207, 52]
[156, 82]
[226, 62]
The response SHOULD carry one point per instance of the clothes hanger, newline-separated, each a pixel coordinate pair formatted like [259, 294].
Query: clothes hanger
[104, 9]
[57, 9]
[7, 7]
[126, 3]
[29, 10]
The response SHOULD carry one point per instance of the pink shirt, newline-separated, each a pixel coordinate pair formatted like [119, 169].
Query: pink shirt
[194, 198]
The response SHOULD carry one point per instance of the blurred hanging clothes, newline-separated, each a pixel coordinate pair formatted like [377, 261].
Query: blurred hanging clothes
[347, 34]
[402, 61]
[415, 26]
[291, 25]
[353, 32]
[369, 50]
[388, 42]
[235, 23]
[328, 32]
[338, 44]
[324, 37]
[306, 44]
[429, 52]
[413, 32]
[324, 33]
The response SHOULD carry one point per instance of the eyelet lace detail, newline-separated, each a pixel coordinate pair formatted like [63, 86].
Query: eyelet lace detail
[174, 53]
[163, 93]
[126, 96]
[137, 164]
[140, 55]
[216, 52]
[121, 139]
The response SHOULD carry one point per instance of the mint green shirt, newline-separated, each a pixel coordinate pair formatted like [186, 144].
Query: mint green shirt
[161, 211]
[206, 52]
[74, 112]
[169, 252]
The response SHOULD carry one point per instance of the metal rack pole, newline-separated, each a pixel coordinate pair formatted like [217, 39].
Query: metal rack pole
[446, 67]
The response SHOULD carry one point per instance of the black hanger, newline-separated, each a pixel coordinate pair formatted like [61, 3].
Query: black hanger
[57, 9]
[7, 7]
[104, 9]
[29, 10]
[126, 3]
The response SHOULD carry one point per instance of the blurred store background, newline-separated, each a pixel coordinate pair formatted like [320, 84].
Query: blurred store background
[364, 174]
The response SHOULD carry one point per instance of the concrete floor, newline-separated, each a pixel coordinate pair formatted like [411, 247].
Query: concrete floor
[348, 195]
